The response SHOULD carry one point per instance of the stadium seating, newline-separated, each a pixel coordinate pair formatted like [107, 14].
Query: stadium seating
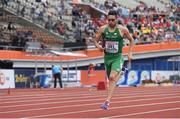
[154, 3]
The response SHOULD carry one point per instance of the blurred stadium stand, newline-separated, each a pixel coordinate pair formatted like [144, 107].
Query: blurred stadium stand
[31, 24]
[31, 29]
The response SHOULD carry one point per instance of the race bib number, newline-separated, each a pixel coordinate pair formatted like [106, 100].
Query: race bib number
[111, 46]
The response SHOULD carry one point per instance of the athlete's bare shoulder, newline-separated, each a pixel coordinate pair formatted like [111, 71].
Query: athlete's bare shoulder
[100, 32]
[123, 30]
[102, 28]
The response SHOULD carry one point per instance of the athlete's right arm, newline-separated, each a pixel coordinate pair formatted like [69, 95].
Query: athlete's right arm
[98, 37]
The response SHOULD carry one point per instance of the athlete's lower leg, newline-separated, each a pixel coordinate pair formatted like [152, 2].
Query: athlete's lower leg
[113, 78]
[112, 85]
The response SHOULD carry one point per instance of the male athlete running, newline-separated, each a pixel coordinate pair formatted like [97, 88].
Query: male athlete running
[112, 35]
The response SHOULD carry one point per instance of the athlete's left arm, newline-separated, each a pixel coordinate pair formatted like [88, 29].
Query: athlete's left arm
[131, 40]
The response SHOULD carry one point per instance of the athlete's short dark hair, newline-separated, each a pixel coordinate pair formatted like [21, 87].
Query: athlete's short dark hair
[112, 12]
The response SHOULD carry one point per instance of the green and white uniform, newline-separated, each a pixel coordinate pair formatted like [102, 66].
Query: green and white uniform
[113, 43]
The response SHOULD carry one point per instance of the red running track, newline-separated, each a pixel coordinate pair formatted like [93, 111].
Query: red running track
[127, 102]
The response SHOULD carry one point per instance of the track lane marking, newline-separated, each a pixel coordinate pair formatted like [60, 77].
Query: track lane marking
[43, 98]
[66, 106]
[4, 98]
[141, 113]
[95, 110]
[59, 101]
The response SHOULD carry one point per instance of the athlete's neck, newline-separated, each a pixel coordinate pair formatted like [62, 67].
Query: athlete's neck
[112, 28]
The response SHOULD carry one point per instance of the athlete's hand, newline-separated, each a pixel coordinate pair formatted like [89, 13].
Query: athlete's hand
[100, 47]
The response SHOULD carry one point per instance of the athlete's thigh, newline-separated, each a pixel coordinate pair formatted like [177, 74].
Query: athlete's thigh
[116, 67]
[108, 69]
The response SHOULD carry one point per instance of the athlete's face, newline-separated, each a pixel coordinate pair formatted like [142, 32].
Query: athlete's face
[112, 21]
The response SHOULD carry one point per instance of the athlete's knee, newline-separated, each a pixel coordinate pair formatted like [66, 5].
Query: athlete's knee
[112, 78]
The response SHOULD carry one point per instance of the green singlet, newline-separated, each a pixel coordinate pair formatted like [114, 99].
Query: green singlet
[113, 43]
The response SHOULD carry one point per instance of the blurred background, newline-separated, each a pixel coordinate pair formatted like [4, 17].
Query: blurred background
[36, 34]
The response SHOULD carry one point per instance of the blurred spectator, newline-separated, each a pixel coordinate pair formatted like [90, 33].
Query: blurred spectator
[10, 26]
[23, 10]
[147, 24]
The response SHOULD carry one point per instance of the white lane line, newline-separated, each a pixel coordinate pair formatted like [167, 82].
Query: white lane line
[66, 106]
[21, 97]
[95, 110]
[51, 94]
[76, 97]
[97, 98]
[146, 112]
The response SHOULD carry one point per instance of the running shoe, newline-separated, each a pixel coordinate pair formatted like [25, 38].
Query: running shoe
[124, 69]
[105, 105]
